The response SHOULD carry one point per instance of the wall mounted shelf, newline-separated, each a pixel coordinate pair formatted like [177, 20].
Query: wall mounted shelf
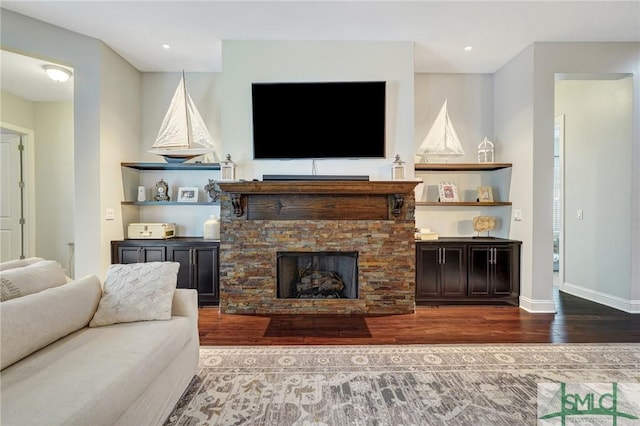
[167, 203]
[172, 166]
[460, 167]
[461, 203]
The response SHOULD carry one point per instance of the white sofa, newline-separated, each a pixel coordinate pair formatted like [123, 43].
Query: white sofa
[57, 370]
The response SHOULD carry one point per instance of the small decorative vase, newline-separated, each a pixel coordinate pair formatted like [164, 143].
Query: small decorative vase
[211, 228]
[142, 194]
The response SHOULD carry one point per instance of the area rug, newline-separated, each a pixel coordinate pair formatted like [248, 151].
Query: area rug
[398, 385]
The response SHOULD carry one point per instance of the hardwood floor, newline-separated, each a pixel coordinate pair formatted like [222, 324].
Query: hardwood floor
[577, 321]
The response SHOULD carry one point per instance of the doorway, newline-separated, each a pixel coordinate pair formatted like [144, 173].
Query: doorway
[592, 203]
[17, 220]
[38, 112]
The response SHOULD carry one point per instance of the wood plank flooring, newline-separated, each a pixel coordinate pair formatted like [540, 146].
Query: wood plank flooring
[577, 321]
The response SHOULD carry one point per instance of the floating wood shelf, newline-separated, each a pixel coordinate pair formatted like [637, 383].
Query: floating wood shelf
[460, 167]
[167, 203]
[172, 166]
[461, 203]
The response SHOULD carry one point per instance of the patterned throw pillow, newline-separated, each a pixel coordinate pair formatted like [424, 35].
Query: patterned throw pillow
[137, 292]
[34, 278]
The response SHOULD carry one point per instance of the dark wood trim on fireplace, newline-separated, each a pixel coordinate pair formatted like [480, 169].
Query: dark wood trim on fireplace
[318, 200]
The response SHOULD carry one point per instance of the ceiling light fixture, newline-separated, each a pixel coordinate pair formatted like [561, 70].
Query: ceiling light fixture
[468, 48]
[166, 46]
[57, 74]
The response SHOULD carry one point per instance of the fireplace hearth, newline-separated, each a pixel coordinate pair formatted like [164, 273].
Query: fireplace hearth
[317, 275]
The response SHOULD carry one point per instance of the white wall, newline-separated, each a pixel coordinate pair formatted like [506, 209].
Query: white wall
[54, 180]
[16, 110]
[513, 109]
[245, 62]
[120, 118]
[597, 171]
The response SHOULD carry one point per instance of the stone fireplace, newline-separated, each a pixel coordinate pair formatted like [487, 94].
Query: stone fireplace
[360, 232]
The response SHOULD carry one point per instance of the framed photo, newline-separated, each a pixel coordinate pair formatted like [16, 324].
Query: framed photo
[485, 194]
[187, 194]
[448, 192]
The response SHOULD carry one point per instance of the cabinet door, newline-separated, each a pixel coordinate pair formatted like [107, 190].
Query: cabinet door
[479, 272]
[182, 255]
[155, 253]
[129, 254]
[136, 254]
[453, 272]
[501, 280]
[427, 271]
[206, 273]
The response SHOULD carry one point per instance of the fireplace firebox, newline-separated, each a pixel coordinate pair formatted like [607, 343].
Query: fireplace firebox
[317, 275]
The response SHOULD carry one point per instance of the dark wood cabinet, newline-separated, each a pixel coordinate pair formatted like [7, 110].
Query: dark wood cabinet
[468, 270]
[492, 272]
[198, 261]
[441, 271]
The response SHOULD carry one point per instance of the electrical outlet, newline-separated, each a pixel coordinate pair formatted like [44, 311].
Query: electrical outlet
[109, 214]
[579, 214]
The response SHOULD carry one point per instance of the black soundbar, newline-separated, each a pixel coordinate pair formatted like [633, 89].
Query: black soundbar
[315, 177]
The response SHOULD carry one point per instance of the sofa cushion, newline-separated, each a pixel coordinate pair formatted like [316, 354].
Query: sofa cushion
[137, 292]
[19, 263]
[92, 376]
[32, 322]
[21, 281]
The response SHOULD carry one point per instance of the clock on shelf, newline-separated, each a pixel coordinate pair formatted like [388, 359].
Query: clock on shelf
[162, 191]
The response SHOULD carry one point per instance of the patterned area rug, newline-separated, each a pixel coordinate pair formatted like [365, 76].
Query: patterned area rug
[393, 385]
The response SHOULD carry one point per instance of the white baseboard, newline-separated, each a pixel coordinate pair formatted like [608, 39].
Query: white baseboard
[626, 305]
[537, 306]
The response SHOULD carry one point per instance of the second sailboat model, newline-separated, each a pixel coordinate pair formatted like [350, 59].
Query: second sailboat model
[441, 140]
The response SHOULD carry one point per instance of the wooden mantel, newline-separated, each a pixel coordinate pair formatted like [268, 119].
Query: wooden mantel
[320, 200]
[344, 187]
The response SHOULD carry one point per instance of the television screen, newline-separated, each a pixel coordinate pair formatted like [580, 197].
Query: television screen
[318, 120]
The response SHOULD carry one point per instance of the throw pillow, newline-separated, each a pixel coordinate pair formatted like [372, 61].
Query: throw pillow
[30, 279]
[19, 263]
[137, 292]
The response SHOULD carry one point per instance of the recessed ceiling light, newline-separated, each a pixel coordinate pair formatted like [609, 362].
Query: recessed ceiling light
[468, 48]
[57, 74]
[166, 46]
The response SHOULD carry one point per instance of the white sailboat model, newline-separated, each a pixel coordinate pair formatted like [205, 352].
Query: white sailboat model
[442, 139]
[183, 134]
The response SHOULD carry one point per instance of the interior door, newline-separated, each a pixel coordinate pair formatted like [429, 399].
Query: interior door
[11, 233]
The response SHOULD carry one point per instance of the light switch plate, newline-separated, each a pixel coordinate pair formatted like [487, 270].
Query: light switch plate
[517, 215]
[109, 214]
[579, 214]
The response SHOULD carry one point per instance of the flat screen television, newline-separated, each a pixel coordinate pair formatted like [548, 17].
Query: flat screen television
[318, 120]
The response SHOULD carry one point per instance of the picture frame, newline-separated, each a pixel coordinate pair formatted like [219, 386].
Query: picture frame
[188, 194]
[448, 192]
[485, 194]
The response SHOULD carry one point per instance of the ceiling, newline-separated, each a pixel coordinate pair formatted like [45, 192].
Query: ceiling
[440, 29]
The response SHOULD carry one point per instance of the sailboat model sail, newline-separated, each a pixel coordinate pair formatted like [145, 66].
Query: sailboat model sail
[183, 134]
[442, 139]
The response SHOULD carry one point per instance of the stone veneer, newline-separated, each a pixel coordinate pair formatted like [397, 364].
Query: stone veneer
[248, 262]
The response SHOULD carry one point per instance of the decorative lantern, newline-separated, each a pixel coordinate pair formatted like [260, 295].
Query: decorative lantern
[397, 169]
[485, 151]
[228, 170]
